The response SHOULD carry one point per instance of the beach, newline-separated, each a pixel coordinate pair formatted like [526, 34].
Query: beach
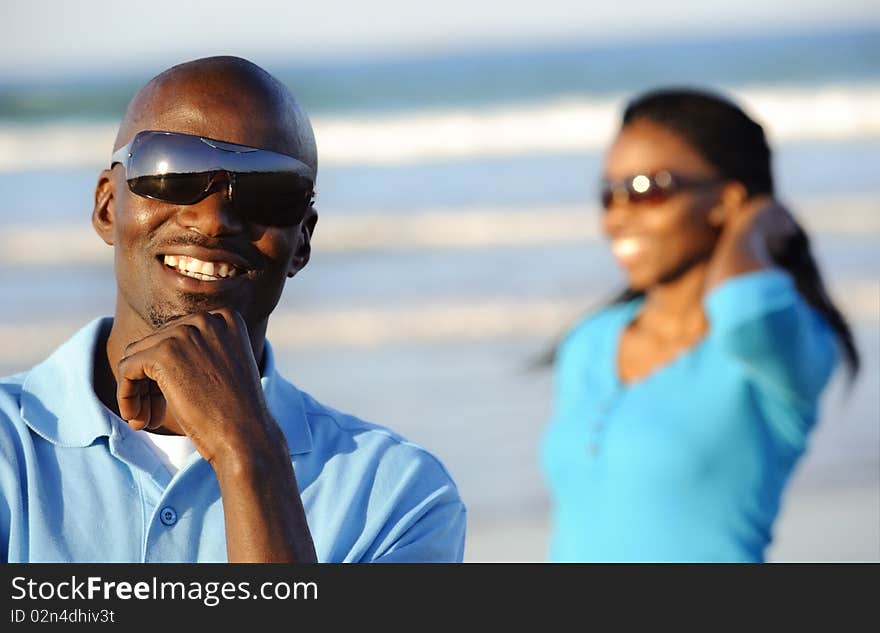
[440, 343]
[458, 239]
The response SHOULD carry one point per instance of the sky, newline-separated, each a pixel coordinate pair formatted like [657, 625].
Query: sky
[45, 38]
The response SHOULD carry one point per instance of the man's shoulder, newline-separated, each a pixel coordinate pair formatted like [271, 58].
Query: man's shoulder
[398, 500]
[369, 446]
[326, 420]
[346, 422]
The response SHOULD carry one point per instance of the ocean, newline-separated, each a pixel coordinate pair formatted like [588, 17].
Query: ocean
[458, 236]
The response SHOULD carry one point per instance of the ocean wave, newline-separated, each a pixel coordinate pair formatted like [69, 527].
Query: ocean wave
[828, 112]
[430, 322]
[433, 229]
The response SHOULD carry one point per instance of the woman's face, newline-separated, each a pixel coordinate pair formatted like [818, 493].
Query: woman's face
[656, 240]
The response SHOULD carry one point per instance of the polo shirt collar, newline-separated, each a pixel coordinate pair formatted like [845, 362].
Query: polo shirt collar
[286, 405]
[58, 400]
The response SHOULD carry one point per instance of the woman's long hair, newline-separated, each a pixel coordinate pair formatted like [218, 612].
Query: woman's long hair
[736, 146]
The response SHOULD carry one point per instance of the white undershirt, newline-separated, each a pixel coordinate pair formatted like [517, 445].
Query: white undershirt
[174, 450]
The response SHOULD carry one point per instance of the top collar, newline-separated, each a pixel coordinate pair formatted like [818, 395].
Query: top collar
[58, 400]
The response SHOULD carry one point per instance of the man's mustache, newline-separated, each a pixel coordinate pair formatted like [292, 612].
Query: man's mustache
[245, 250]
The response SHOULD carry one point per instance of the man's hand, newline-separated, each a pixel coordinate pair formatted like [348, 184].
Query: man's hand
[200, 372]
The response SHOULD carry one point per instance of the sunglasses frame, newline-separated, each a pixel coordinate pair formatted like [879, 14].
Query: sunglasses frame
[660, 186]
[226, 158]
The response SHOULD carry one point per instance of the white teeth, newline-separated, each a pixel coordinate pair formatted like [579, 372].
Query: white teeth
[197, 275]
[626, 246]
[198, 269]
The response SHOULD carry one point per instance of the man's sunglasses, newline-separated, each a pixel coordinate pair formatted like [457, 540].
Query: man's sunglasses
[648, 188]
[265, 187]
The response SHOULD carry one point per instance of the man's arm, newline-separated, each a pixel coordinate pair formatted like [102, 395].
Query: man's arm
[201, 372]
[437, 536]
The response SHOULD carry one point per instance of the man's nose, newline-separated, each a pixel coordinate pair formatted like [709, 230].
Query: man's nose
[215, 214]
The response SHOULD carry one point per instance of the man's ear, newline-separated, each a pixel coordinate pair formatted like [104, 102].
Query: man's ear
[304, 249]
[103, 215]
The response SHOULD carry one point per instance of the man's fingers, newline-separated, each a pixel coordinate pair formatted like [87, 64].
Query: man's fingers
[157, 407]
[146, 343]
[141, 402]
[232, 319]
[134, 374]
[158, 370]
[235, 324]
[134, 407]
[190, 325]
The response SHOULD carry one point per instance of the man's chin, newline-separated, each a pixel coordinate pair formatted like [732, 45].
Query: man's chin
[162, 313]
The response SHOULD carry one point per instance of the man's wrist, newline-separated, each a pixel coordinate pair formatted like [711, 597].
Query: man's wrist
[253, 455]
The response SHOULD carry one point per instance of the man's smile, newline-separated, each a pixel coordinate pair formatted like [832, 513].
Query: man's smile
[200, 269]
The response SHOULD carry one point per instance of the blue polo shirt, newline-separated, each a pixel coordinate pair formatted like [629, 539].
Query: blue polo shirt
[690, 462]
[77, 484]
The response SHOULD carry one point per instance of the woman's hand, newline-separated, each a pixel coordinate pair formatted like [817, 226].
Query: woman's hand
[750, 231]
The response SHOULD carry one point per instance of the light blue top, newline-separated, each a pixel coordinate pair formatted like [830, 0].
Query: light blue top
[77, 485]
[689, 463]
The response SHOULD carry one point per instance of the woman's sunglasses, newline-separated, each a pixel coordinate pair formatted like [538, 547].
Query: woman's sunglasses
[265, 187]
[648, 188]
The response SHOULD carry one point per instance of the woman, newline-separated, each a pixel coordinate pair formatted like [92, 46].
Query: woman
[682, 408]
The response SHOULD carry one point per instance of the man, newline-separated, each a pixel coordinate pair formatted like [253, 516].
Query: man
[207, 204]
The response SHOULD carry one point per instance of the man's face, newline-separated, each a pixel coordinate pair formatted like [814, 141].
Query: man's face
[173, 260]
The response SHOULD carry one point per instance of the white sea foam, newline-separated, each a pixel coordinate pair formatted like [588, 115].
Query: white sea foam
[437, 321]
[434, 229]
[832, 112]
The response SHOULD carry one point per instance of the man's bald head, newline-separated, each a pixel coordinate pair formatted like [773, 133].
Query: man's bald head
[226, 98]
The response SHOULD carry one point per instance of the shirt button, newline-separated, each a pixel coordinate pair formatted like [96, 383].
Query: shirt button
[168, 516]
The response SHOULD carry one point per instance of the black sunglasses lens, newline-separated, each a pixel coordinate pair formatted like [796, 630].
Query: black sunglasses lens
[652, 195]
[275, 198]
[172, 188]
[641, 189]
[267, 188]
